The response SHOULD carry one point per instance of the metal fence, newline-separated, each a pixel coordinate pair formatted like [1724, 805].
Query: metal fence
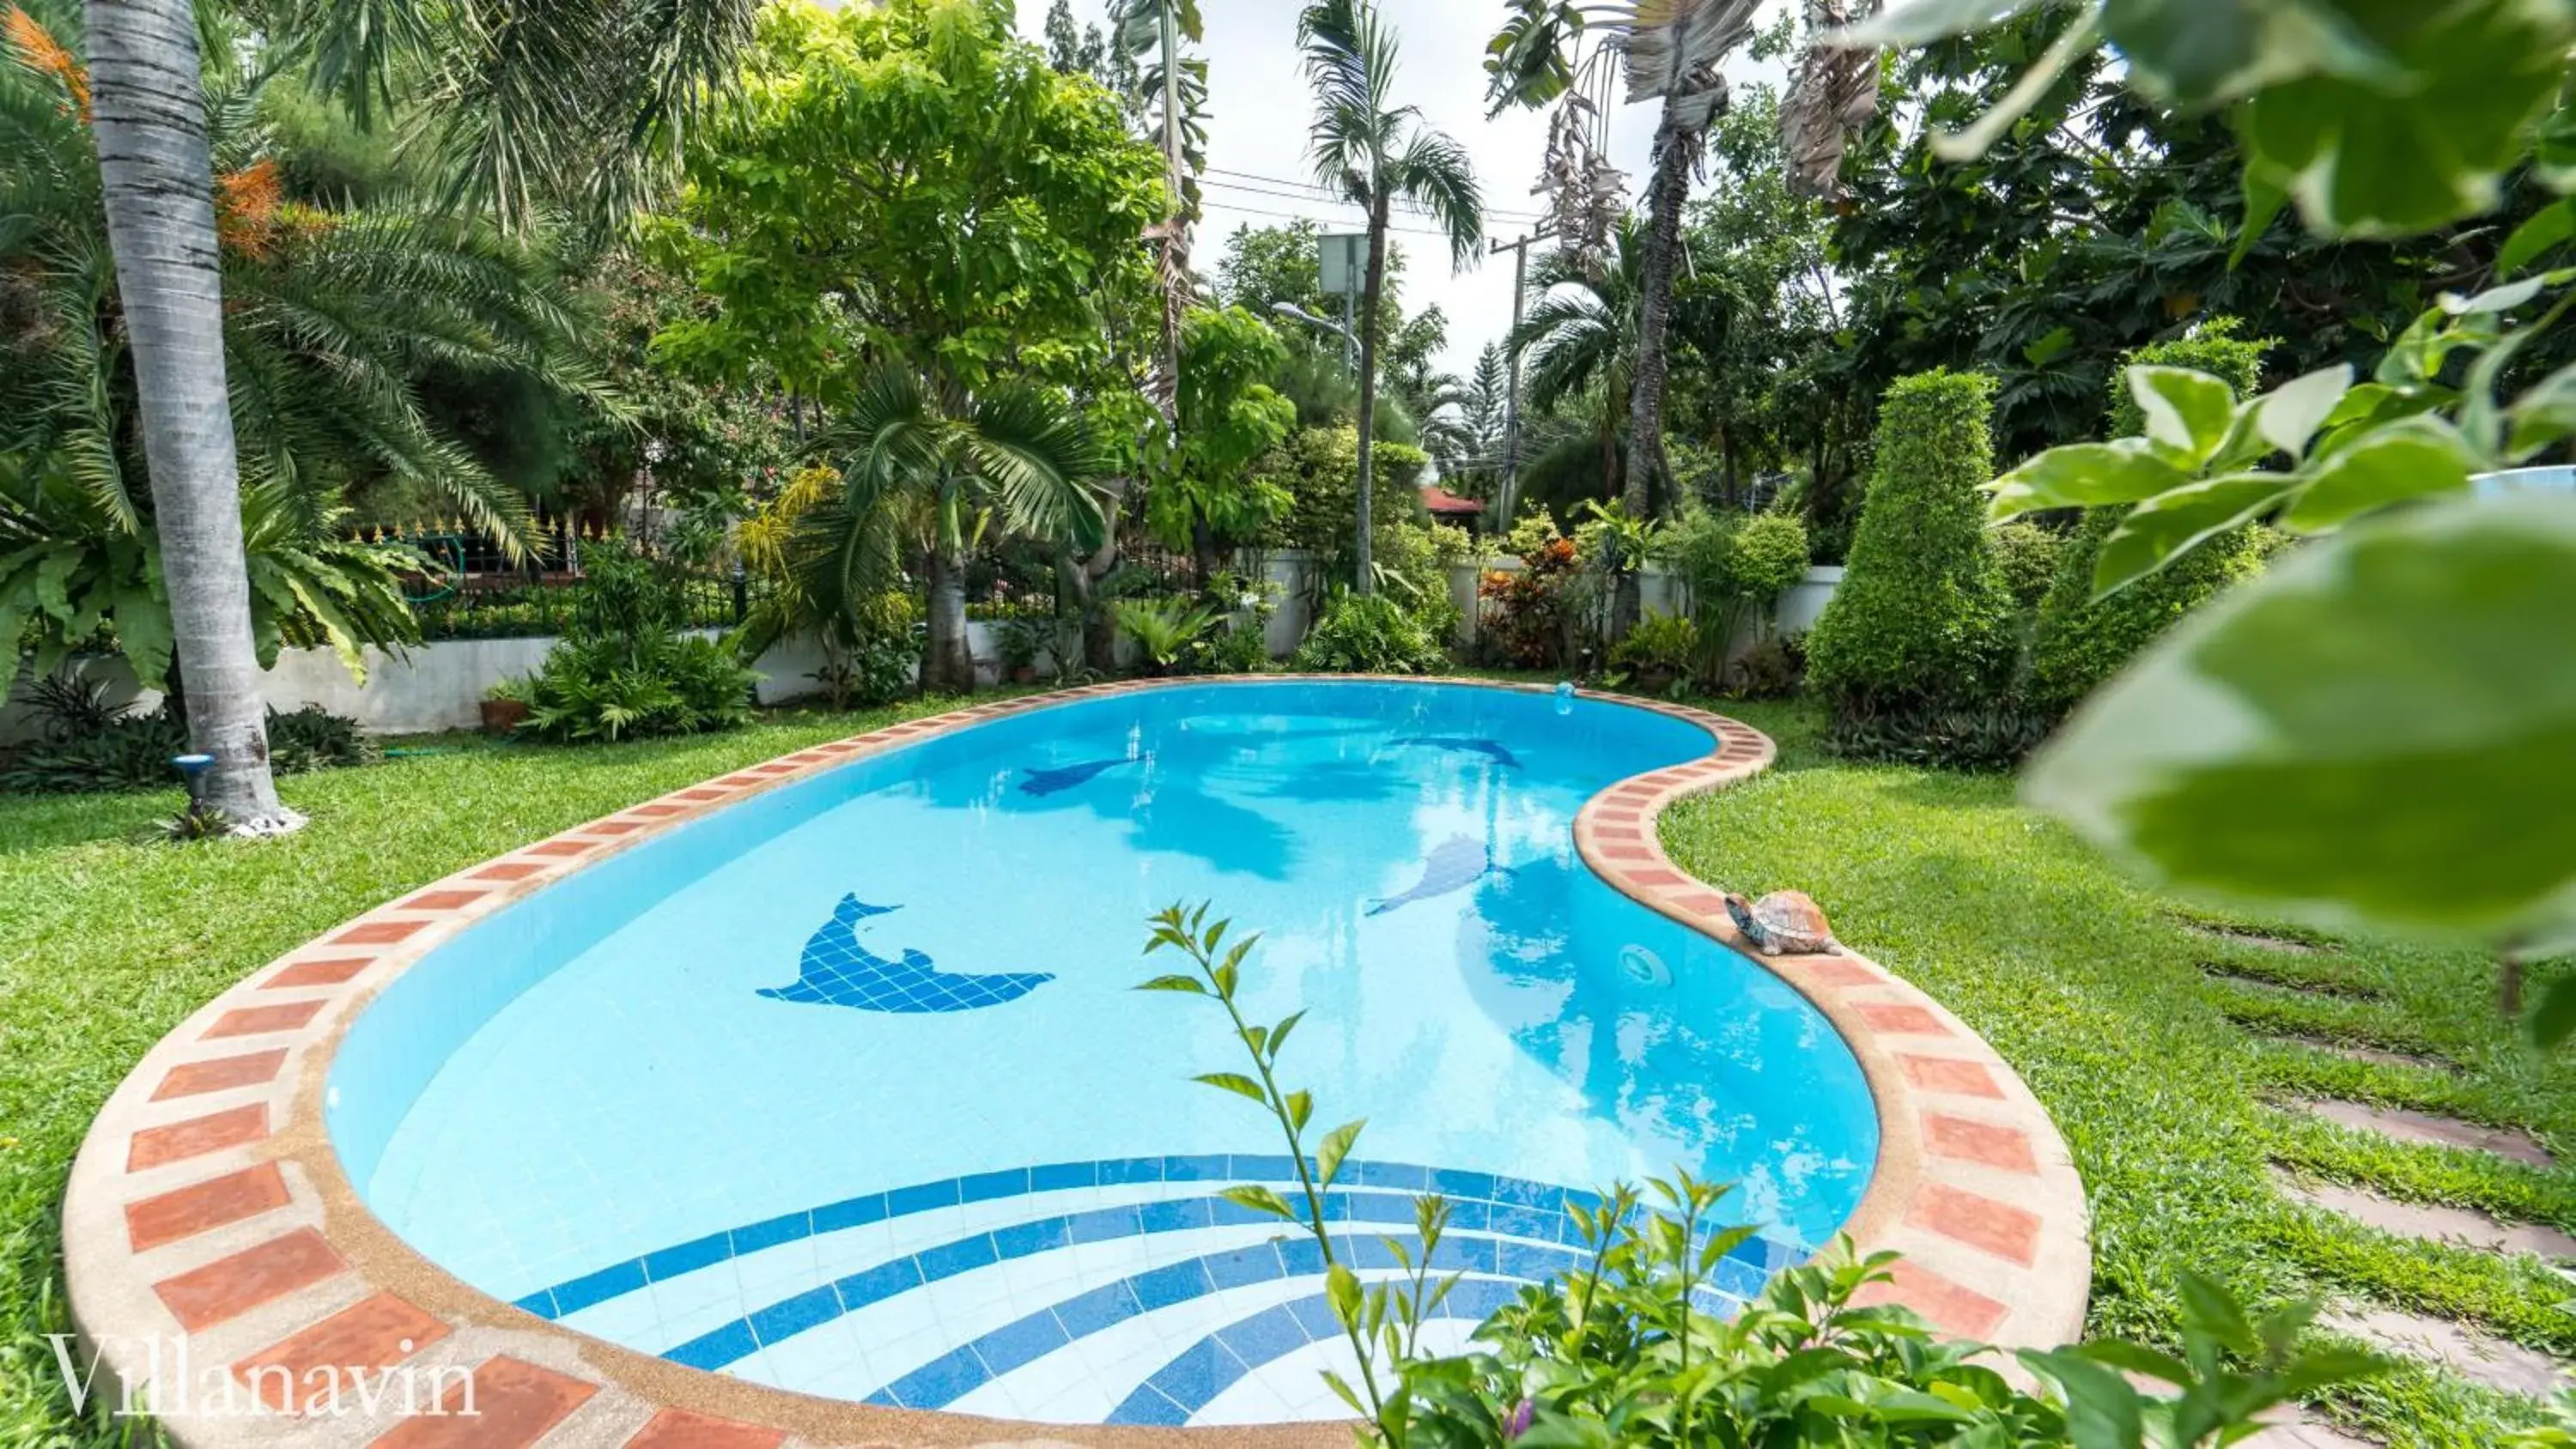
[471, 590]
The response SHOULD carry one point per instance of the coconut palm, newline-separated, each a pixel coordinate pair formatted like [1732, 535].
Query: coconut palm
[925, 469]
[1373, 153]
[1173, 87]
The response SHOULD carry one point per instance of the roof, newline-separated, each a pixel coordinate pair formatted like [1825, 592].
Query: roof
[1445, 504]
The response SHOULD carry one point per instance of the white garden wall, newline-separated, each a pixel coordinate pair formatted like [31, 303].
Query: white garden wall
[433, 687]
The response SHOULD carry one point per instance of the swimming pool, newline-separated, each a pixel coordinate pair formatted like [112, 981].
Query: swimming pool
[844, 1089]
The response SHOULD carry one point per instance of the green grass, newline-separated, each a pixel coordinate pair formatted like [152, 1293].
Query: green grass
[2095, 990]
[105, 945]
[2100, 995]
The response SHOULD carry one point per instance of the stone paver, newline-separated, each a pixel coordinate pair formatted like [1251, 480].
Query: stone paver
[2355, 1052]
[2405, 1125]
[2464, 1226]
[2301, 1431]
[2260, 940]
[2478, 1357]
[2336, 990]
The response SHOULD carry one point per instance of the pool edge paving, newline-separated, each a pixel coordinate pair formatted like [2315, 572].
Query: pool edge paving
[208, 1209]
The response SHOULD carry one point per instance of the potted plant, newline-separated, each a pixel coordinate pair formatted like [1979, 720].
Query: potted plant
[1022, 637]
[505, 706]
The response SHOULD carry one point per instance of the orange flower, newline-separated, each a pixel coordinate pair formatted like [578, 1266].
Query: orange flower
[246, 206]
[40, 52]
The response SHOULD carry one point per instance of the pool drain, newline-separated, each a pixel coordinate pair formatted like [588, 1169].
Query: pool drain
[1644, 967]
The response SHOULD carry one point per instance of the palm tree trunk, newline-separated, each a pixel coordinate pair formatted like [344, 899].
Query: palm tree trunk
[949, 663]
[157, 178]
[1370, 295]
[1654, 325]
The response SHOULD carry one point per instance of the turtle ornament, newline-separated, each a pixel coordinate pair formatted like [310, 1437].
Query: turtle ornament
[1783, 923]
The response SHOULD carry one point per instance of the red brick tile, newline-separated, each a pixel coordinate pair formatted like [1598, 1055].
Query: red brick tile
[227, 1288]
[205, 1206]
[809, 757]
[745, 782]
[774, 767]
[1999, 1228]
[378, 933]
[158, 1146]
[616, 827]
[1983, 1143]
[1706, 903]
[1947, 1074]
[260, 1020]
[515, 1404]
[1621, 852]
[701, 793]
[658, 812]
[1615, 833]
[510, 870]
[1657, 878]
[1899, 1019]
[338, 971]
[1957, 1311]
[1837, 972]
[442, 900]
[299, 1372]
[195, 1079]
[563, 849]
[1619, 815]
[680, 1429]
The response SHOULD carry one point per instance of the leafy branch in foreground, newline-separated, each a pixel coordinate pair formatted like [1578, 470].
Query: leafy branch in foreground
[1636, 1349]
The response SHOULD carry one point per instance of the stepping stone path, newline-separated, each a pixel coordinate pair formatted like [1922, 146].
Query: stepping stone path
[2478, 1357]
[2465, 1226]
[2402, 1125]
[2347, 991]
[2354, 1052]
[2239, 936]
[2302, 1432]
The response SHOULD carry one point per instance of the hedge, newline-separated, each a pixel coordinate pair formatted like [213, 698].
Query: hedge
[2079, 643]
[1923, 617]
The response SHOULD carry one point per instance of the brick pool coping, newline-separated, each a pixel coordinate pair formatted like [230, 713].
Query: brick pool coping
[208, 1230]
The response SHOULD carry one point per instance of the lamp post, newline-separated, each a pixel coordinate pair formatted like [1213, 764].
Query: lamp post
[1350, 339]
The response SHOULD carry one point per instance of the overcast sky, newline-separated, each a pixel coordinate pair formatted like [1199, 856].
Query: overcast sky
[1257, 140]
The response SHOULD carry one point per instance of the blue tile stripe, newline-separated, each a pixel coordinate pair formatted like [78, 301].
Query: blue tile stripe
[943, 1380]
[1543, 1203]
[1177, 1391]
[812, 1308]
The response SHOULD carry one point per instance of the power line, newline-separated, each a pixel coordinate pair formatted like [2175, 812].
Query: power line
[1323, 222]
[1311, 191]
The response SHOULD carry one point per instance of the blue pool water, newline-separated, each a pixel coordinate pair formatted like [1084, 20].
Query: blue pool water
[846, 1089]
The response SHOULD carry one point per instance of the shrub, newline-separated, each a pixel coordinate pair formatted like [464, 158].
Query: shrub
[2028, 555]
[622, 670]
[1525, 611]
[1320, 468]
[1923, 617]
[1369, 634]
[2078, 643]
[133, 751]
[1413, 562]
[1736, 567]
[1661, 644]
[1994, 734]
[882, 663]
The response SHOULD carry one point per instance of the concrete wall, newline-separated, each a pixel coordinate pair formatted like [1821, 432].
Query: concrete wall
[434, 687]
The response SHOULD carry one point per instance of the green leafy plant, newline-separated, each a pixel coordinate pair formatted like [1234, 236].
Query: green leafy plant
[1922, 618]
[623, 671]
[90, 746]
[1525, 610]
[2029, 556]
[1661, 652]
[1735, 567]
[1169, 633]
[2077, 642]
[1369, 634]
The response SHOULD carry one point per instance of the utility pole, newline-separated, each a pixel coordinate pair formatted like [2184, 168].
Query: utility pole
[1512, 396]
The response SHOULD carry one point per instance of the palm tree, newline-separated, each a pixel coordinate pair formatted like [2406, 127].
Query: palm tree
[1174, 91]
[1670, 50]
[923, 467]
[539, 99]
[1373, 153]
[1579, 340]
[157, 180]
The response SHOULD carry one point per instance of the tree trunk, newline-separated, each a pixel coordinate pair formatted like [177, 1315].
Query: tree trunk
[1369, 298]
[949, 664]
[1205, 556]
[157, 179]
[1669, 191]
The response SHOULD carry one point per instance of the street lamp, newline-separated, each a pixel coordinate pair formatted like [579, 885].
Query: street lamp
[1350, 342]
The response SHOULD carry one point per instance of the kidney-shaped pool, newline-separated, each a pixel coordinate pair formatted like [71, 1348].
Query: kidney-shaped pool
[847, 1089]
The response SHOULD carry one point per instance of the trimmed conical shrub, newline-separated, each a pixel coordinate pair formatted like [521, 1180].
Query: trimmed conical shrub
[1923, 617]
[2078, 643]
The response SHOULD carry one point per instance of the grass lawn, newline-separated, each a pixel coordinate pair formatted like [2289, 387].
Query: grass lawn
[2092, 988]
